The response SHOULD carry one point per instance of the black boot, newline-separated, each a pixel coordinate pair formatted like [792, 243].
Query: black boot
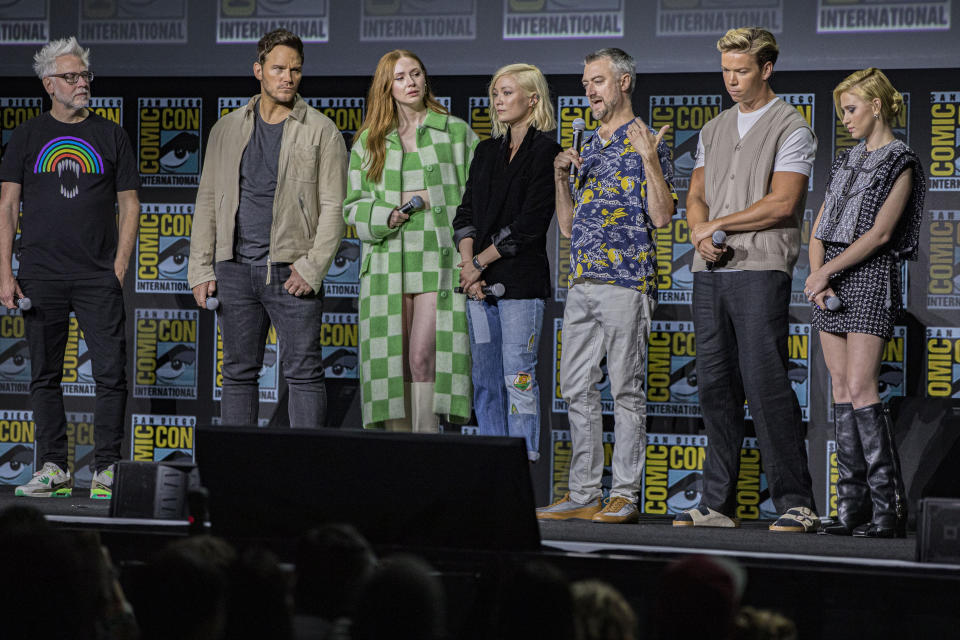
[853, 495]
[883, 475]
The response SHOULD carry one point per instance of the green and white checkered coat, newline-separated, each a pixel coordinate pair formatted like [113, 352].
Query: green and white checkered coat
[445, 145]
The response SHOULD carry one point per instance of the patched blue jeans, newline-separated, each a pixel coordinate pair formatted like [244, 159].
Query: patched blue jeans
[504, 339]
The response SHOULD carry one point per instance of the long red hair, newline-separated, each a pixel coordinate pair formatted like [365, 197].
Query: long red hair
[381, 116]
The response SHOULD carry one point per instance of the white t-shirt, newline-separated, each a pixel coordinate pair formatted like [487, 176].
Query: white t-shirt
[797, 153]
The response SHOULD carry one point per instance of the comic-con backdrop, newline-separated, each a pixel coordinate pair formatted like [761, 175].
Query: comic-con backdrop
[175, 349]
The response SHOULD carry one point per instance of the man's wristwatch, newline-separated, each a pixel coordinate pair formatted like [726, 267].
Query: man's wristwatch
[477, 265]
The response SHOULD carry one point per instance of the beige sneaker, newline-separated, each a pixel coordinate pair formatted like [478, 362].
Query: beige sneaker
[50, 482]
[618, 510]
[566, 508]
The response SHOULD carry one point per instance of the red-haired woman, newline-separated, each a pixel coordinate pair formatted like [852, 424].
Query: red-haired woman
[414, 349]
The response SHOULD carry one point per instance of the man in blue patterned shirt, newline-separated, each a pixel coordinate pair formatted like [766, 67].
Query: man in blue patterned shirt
[621, 193]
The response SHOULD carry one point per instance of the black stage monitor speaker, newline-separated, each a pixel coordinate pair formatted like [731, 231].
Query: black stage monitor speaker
[405, 489]
[156, 490]
[938, 530]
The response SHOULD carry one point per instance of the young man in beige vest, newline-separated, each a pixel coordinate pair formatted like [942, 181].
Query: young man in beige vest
[750, 181]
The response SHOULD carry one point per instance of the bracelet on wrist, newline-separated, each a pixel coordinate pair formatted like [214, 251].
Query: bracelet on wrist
[477, 265]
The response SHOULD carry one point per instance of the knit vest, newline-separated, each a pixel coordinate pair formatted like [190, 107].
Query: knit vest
[737, 172]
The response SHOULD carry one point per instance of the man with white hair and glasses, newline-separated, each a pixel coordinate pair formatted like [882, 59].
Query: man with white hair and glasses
[70, 167]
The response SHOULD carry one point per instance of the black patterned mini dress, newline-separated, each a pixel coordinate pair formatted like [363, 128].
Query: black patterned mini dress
[871, 291]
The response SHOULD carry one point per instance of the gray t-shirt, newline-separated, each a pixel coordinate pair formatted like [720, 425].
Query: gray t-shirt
[258, 182]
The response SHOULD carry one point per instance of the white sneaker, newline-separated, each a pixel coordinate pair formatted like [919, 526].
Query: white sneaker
[101, 486]
[50, 482]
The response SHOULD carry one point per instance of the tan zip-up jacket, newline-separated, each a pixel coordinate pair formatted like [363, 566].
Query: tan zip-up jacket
[307, 205]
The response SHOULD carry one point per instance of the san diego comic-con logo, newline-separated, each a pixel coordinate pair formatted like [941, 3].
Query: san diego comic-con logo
[268, 377]
[805, 104]
[17, 432]
[14, 353]
[672, 388]
[943, 276]
[708, 17]
[109, 108]
[417, 20]
[169, 141]
[480, 120]
[77, 364]
[943, 362]
[166, 353]
[133, 22]
[13, 113]
[862, 16]
[163, 248]
[346, 113]
[562, 19]
[25, 22]
[338, 343]
[832, 475]
[603, 386]
[569, 108]
[674, 260]
[944, 130]
[561, 452]
[80, 448]
[753, 494]
[686, 115]
[673, 473]
[901, 128]
[343, 277]
[245, 21]
[162, 438]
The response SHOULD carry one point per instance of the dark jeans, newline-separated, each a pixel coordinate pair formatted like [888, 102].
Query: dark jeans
[248, 305]
[98, 305]
[742, 322]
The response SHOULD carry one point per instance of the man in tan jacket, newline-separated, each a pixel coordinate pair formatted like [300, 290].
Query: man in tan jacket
[267, 223]
[750, 181]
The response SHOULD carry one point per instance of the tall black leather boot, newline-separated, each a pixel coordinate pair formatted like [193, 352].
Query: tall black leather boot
[883, 475]
[853, 494]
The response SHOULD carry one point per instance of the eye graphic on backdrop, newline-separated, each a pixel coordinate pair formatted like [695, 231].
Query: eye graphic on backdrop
[15, 464]
[178, 150]
[341, 362]
[346, 264]
[84, 367]
[891, 379]
[269, 361]
[175, 362]
[172, 261]
[683, 381]
[14, 360]
[685, 493]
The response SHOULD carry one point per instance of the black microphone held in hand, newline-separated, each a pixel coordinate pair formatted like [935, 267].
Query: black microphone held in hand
[578, 126]
[496, 289]
[719, 240]
[414, 204]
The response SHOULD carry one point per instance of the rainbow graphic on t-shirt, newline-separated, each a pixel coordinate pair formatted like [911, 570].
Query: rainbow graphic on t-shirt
[68, 157]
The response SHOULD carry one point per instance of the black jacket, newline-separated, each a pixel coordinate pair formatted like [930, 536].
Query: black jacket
[510, 204]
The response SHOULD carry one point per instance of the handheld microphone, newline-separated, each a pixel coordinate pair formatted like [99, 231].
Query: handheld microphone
[833, 303]
[24, 303]
[719, 240]
[496, 290]
[578, 127]
[212, 303]
[414, 204]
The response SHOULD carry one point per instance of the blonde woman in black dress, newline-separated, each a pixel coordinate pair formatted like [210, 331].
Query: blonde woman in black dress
[868, 224]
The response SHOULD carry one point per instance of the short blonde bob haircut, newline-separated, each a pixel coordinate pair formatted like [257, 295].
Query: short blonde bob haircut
[758, 42]
[531, 81]
[871, 84]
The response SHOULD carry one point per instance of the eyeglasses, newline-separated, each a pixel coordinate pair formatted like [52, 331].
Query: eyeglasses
[73, 78]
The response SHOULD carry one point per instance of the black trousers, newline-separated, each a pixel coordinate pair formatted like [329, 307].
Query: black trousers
[98, 306]
[742, 321]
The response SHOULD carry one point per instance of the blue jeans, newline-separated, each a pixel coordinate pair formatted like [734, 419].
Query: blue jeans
[98, 305]
[504, 338]
[247, 308]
